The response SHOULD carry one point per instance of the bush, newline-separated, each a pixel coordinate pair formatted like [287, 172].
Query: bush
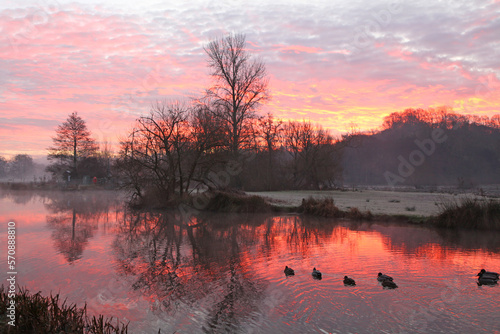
[326, 208]
[355, 214]
[323, 208]
[469, 213]
[236, 202]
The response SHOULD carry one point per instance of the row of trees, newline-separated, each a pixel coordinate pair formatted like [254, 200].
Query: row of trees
[183, 145]
[218, 140]
[178, 147]
[443, 117]
[20, 167]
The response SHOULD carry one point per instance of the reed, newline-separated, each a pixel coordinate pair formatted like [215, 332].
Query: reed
[39, 314]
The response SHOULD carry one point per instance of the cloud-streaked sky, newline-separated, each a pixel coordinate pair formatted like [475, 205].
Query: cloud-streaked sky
[336, 63]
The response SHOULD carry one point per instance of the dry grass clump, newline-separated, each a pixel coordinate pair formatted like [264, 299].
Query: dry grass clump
[321, 207]
[38, 314]
[326, 208]
[469, 213]
[236, 202]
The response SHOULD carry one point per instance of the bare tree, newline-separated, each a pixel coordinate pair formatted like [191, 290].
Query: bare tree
[72, 143]
[240, 86]
[270, 132]
[316, 160]
[168, 150]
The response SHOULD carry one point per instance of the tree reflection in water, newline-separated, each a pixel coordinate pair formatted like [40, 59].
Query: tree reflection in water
[75, 218]
[198, 265]
[204, 266]
[224, 273]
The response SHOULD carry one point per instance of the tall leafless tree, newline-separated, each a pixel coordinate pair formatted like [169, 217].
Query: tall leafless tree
[240, 86]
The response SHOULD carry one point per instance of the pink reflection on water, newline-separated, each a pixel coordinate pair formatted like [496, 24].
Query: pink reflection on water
[151, 268]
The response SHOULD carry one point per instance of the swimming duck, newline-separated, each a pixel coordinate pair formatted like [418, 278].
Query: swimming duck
[349, 281]
[486, 281]
[289, 271]
[488, 274]
[316, 273]
[381, 277]
[389, 284]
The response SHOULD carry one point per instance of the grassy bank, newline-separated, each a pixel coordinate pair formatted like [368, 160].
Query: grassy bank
[378, 202]
[467, 213]
[470, 213]
[35, 313]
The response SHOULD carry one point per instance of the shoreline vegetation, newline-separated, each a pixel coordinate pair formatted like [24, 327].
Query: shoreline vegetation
[39, 314]
[447, 209]
[451, 212]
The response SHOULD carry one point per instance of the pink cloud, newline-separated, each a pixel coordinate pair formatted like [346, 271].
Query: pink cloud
[110, 67]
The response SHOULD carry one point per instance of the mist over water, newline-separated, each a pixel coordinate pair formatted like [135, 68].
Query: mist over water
[223, 273]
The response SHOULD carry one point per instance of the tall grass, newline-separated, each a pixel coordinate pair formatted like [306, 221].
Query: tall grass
[469, 213]
[38, 314]
[326, 208]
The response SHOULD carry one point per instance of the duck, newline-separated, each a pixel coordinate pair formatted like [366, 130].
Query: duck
[289, 271]
[381, 277]
[389, 284]
[488, 274]
[349, 281]
[316, 273]
[486, 281]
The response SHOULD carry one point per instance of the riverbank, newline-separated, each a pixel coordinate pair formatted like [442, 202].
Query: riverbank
[60, 186]
[378, 202]
[466, 210]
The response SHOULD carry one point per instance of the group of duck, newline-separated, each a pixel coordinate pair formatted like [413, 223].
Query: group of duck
[484, 278]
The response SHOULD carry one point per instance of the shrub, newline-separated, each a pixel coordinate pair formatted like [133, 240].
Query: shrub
[469, 213]
[324, 208]
[355, 214]
[233, 201]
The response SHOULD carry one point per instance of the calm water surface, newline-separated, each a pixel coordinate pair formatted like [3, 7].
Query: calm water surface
[224, 273]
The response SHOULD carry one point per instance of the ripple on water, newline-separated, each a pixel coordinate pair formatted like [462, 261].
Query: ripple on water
[228, 278]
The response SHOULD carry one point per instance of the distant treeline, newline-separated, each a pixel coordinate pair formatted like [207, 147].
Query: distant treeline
[426, 147]
[18, 167]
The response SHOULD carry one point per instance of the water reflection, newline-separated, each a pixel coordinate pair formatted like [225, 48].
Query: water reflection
[224, 272]
[75, 218]
[224, 267]
[179, 266]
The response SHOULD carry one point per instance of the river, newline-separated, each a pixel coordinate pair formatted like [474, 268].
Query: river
[223, 273]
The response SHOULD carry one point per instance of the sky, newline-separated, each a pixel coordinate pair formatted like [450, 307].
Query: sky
[339, 64]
